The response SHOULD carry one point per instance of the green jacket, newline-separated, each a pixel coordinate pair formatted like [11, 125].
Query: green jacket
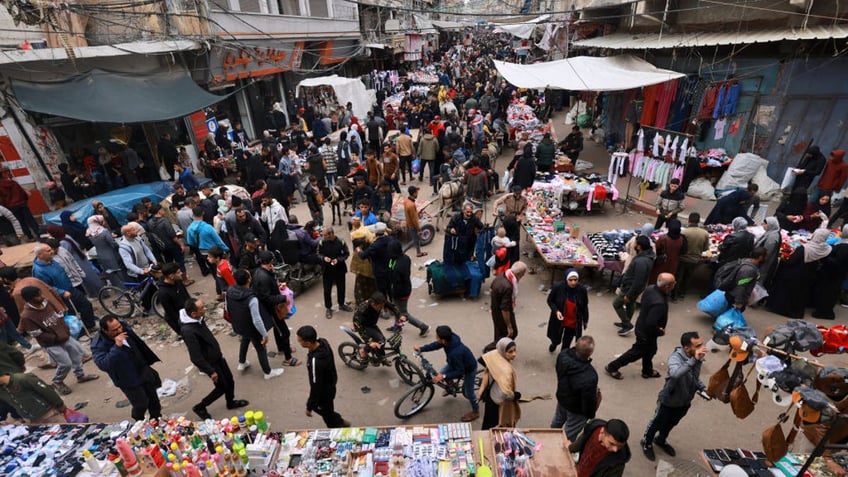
[30, 396]
[11, 360]
[545, 153]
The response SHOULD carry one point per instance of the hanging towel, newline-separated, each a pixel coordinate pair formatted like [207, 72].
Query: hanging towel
[719, 128]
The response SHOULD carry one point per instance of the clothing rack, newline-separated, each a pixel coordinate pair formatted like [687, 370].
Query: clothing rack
[690, 136]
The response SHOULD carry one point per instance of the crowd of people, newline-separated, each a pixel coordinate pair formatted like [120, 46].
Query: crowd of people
[231, 238]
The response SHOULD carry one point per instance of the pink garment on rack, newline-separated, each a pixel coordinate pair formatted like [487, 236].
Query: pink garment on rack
[668, 91]
[678, 173]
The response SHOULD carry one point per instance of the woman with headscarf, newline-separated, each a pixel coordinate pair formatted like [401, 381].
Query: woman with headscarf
[108, 257]
[524, 169]
[828, 285]
[365, 283]
[668, 248]
[74, 229]
[498, 386]
[92, 282]
[737, 244]
[796, 276]
[111, 221]
[796, 214]
[770, 241]
[569, 304]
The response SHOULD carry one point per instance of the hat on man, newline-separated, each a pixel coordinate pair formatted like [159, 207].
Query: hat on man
[380, 228]
[249, 237]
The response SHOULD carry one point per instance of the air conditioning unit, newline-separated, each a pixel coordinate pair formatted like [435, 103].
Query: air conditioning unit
[799, 4]
[392, 25]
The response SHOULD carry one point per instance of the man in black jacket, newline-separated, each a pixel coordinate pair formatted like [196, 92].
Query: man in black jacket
[268, 292]
[577, 387]
[653, 318]
[378, 253]
[205, 353]
[209, 204]
[250, 322]
[321, 369]
[633, 282]
[603, 448]
[172, 295]
[173, 247]
[333, 253]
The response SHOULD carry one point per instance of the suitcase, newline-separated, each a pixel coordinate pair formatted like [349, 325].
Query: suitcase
[475, 279]
[446, 279]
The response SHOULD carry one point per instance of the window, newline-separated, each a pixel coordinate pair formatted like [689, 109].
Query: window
[289, 7]
[318, 8]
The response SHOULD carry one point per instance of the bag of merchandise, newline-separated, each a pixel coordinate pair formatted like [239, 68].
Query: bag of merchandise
[731, 317]
[714, 304]
[416, 166]
[74, 324]
[788, 179]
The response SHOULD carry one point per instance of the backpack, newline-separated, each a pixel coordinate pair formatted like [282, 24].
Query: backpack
[725, 277]
[156, 241]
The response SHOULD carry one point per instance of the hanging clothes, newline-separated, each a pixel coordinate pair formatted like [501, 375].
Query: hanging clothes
[640, 142]
[686, 93]
[734, 126]
[666, 145]
[674, 149]
[719, 101]
[656, 149]
[731, 99]
[708, 103]
[619, 162]
[683, 148]
[668, 91]
[649, 106]
[719, 128]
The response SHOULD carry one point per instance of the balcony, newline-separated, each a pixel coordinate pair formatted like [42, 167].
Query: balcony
[284, 19]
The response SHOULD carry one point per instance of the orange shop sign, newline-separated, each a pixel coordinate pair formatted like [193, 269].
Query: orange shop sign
[227, 65]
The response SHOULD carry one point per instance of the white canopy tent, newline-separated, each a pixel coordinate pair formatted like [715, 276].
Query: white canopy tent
[347, 90]
[523, 30]
[586, 73]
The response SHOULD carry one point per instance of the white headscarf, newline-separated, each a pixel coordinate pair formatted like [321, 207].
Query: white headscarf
[817, 248]
[96, 226]
[739, 224]
[773, 232]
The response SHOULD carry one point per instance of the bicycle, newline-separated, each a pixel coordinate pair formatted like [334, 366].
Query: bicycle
[122, 302]
[358, 355]
[417, 398]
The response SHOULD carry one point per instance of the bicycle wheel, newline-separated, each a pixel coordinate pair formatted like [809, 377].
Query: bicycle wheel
[157, 306]
[349, 353]
[116, 301]
[414, 401]
[408, 371]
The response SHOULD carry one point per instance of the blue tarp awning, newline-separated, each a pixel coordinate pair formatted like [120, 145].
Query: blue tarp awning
[119, 202]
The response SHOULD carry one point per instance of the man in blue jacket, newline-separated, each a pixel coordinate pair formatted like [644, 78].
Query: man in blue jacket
[127, 359]
[51, 273]
[201, 236]
[461, 363]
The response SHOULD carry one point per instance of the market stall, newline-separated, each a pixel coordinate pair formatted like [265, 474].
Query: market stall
[558, 245]
[348, 90]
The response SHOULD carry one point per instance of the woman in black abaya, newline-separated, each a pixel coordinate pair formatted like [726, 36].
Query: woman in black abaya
[790, 289]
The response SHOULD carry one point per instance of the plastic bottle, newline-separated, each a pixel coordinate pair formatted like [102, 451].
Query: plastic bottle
[248, 416]
[128, 456]
[92, 462]
[119, 464]
[259, 419]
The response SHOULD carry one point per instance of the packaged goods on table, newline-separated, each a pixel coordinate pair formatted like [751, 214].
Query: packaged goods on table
[556, 242]
[573, 192]
[789, 240]
[58, 449]
[609, 245]
[426, 451]
[423, 77]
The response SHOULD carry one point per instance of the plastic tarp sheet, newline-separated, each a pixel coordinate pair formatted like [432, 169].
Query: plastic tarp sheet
[109, 97]
[586, 73]
[120, 202]
[347, 90]
[522, 30]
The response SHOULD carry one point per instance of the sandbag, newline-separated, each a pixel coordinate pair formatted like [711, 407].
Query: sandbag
[701, 188]
[743, 168]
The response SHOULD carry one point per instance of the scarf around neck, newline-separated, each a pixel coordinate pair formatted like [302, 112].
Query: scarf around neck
[514, 281]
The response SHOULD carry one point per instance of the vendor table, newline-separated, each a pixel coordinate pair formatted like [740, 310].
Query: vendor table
[559, 249]
[822, 466]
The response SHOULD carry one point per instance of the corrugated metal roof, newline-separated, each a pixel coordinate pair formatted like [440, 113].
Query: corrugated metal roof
[627, 41]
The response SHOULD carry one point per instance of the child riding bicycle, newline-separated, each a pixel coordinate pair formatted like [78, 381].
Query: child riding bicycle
[460, 363]
[366, 317]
